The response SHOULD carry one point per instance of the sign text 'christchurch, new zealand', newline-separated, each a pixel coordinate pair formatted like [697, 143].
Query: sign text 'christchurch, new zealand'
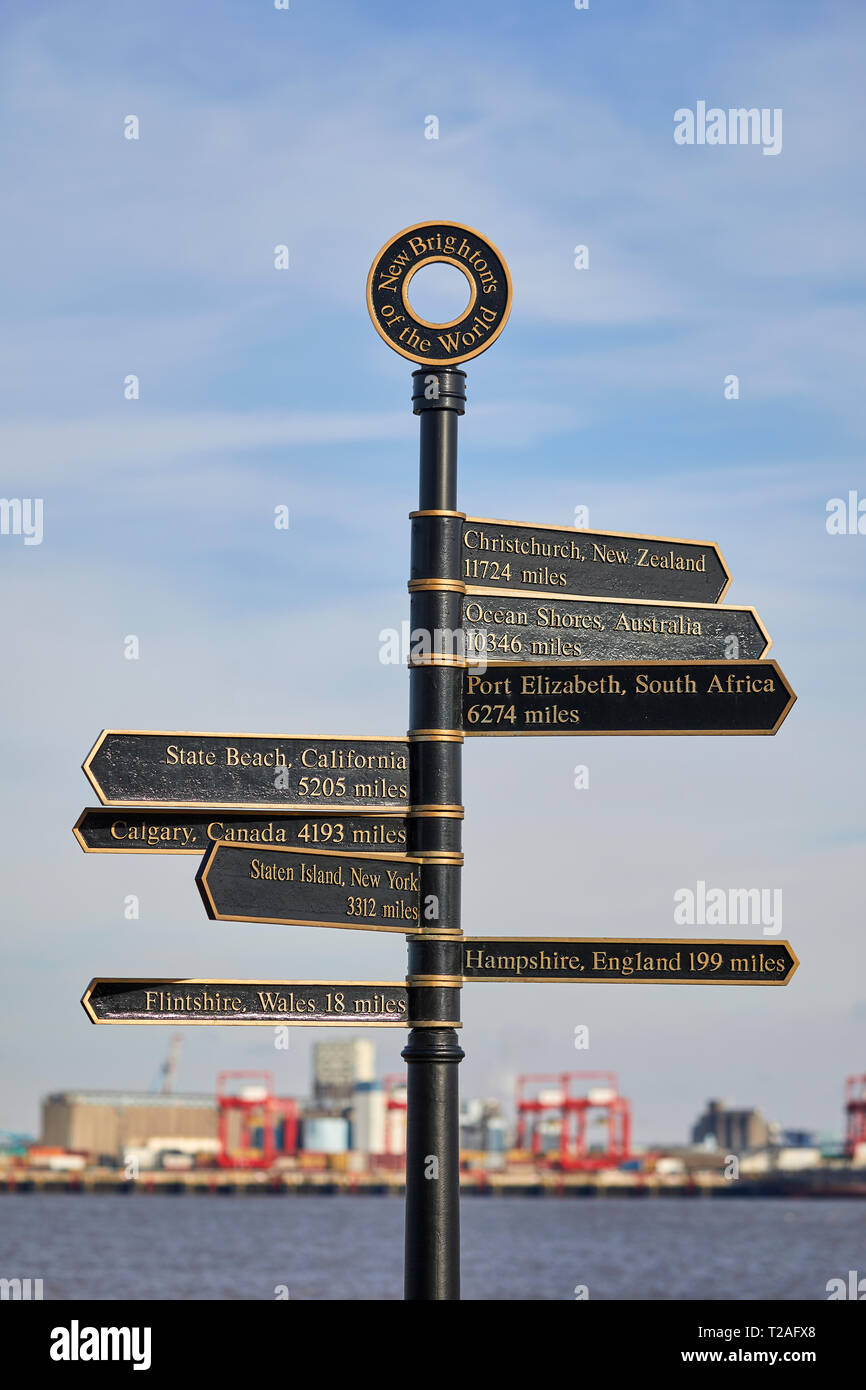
[612, 564]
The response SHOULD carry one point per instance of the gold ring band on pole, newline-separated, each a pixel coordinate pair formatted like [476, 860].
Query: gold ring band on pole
[437, 586]
[435, 735]
[432, 981]
[432, 511]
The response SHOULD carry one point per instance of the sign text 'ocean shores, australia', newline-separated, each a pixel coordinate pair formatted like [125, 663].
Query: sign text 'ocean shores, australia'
[545, 627]
[140, 830]
[607, 564]
[323, 1003]
[652, 697]
[294, 887]
[236, 771]
[584, 960]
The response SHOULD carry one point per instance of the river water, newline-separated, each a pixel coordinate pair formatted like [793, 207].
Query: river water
[349, 1247]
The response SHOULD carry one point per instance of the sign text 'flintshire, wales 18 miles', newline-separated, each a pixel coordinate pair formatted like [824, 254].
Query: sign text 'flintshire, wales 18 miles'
[140, 830]
[376, 892]
[511, 626]
[652, 697]
[129, 767]
[333, 1003]
[565, 560]
[584, 960]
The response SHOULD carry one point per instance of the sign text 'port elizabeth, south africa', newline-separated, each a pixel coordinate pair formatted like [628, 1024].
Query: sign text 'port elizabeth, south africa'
[697, 697]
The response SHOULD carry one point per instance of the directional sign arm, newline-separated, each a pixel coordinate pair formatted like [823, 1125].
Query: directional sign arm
[568, 560]
[635, 960]
[304, 1003]
[628, 697]
[295, 887]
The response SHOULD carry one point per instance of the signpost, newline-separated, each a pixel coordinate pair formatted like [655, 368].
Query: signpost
[303, 1003]
[590, 632]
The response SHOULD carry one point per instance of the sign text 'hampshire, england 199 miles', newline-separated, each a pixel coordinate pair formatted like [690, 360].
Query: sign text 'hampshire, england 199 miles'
[598, 960]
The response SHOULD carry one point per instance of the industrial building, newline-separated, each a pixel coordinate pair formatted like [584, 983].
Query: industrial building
[104, 1124]
[736, 1131]
[339, 1066]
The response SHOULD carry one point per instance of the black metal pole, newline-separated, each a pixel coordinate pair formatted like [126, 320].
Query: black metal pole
[432, 1052]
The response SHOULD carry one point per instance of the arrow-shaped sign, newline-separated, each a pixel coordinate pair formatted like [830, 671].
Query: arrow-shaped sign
[548, 627]
[143, 830]
[130, 767]
[601, 960]
[650, 697]
[308, 1003]
[294, 887]
[565, 560]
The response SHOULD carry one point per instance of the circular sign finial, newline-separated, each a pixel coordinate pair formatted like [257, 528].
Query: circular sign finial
[439, 344]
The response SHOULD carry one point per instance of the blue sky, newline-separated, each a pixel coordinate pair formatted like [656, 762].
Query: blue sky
[258, 387]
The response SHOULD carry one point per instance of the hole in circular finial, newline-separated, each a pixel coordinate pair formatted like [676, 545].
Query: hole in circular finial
[439, 293]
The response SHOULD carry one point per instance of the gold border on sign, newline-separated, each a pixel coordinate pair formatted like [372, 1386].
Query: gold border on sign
[596, 531]
[703, 943]
[439, 361]
[473, 590]
[210, 856]
[446, 812]
[145, 809]
[87, 769]
[445, 260]
[638, 733]
[241, 1022]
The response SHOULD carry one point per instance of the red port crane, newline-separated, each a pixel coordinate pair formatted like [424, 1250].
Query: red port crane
[571, 1113]
[394, 1088]
[260, 1109]
[855, 1112]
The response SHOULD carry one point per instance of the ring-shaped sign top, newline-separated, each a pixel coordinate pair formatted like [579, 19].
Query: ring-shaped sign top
[439, 344]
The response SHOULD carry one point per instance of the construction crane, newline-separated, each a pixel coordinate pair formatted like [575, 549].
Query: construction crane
[167, 1071]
